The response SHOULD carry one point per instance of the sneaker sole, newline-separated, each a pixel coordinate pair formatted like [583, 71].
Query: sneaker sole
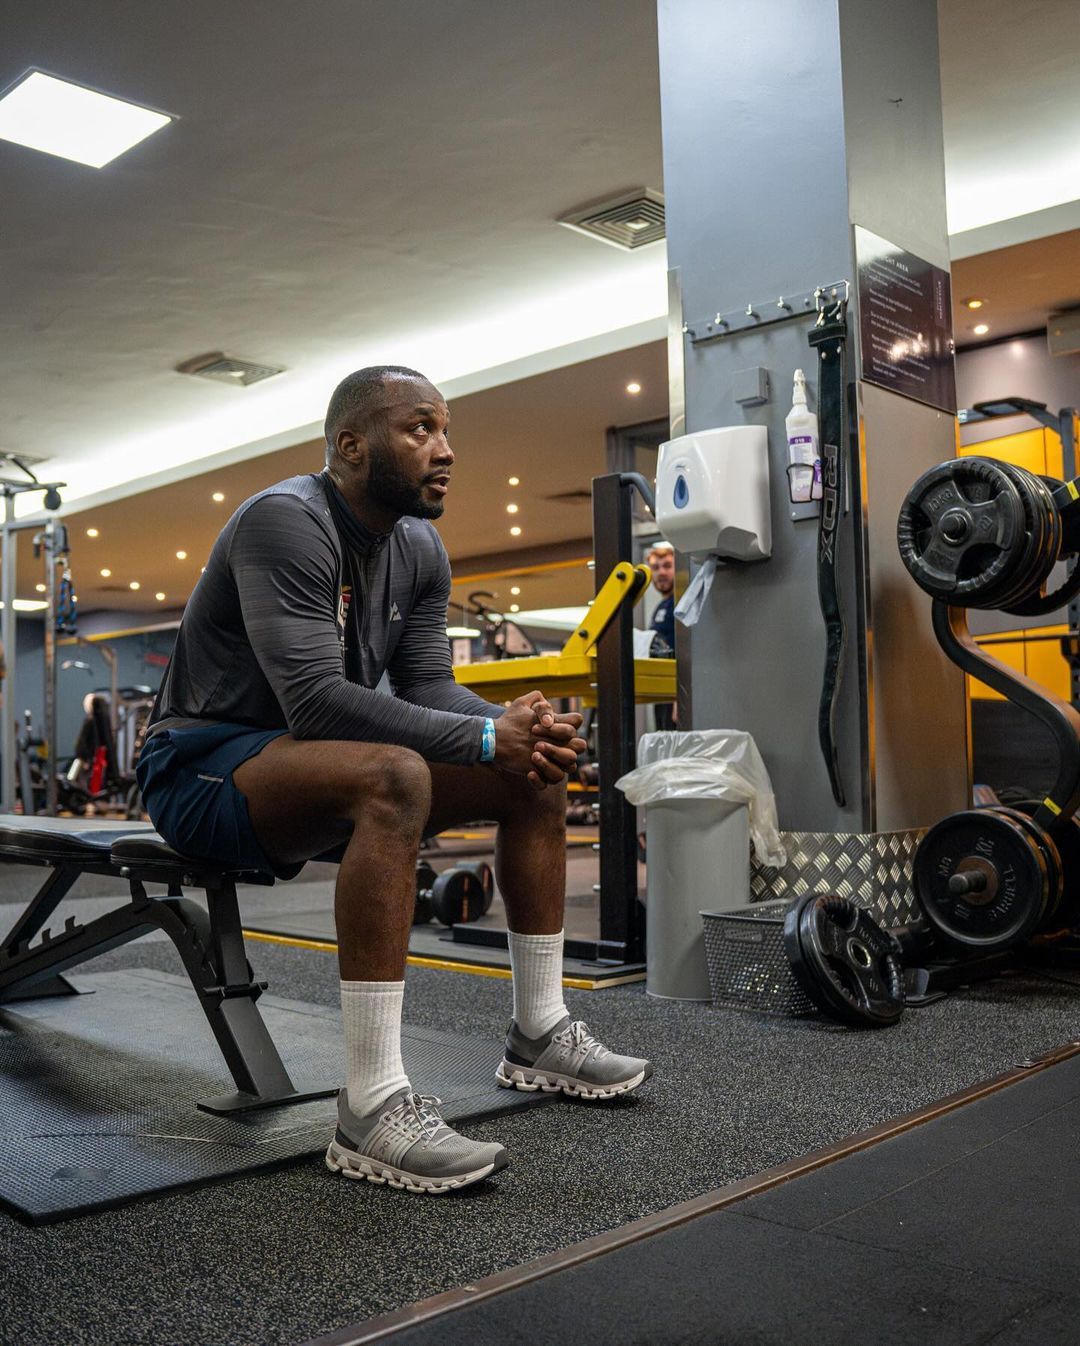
[352, 1165]
[509, 1076]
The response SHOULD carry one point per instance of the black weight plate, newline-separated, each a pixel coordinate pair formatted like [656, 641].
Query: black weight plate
[1064, 837]
[1031, 601]
[844, 961]
[982, 843]
[1025, 576]
[962, 528]
[1047, 848]
[457, 896]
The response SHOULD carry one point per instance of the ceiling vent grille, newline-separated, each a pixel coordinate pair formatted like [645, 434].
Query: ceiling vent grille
[629, 221]
[570, 497]
[227, 369]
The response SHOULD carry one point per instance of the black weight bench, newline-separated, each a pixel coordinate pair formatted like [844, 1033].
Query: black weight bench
[209, 940]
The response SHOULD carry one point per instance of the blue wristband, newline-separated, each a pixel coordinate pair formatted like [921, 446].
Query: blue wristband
[487, 743]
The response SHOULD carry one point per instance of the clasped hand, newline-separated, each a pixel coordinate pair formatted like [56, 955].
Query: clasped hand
[531, 740]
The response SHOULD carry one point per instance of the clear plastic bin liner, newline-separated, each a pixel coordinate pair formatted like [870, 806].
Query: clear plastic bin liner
[708, 764]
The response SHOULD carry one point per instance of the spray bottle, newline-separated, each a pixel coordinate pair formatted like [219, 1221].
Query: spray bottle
[804, 470]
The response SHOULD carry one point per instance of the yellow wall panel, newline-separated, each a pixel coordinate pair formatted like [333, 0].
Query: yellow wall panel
[1026, 449]
[1054, 458]
[1047, 666]
[1010, 653]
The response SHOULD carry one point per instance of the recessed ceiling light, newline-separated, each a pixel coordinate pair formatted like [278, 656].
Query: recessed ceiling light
[515, 607]
[40, 588]
[134, 585]
[511, 509]
[515, 589]
[218, 497]
[61, 118]
[633, 389]
[972, 303]
[160, 597]
[981, 329]
[181, 555]
[515, 531]
[636, 226]
[28, 604]
[105, 573]
[92, 532]
[513, 481]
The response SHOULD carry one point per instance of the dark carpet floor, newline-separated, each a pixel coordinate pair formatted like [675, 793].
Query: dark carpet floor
[284, 1257]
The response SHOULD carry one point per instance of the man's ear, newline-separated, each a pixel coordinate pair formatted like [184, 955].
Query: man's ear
[351, 446]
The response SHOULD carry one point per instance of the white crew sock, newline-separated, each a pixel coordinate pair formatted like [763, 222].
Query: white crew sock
[536, 962]
[371, 1011]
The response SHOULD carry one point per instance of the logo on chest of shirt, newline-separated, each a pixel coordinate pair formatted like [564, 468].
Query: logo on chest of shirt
[395, 616]
[343, 604]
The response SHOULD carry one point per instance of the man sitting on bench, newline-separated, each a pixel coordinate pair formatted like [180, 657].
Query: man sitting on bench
[270, 743]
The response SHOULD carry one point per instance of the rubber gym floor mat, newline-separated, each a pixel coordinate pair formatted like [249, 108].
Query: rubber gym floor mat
[955, 1225]
[99, 1091]
[290, 1254]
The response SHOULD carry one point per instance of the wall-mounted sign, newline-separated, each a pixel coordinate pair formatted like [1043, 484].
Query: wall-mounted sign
[905, 322]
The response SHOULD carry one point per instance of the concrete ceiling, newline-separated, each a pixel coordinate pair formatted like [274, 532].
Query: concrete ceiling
[548, 430]
[1020, 286]
[348, 183]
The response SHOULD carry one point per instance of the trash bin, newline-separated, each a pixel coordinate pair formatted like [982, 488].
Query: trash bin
[707, 793]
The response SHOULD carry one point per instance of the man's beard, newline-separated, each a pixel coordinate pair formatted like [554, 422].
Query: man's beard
[390, 487]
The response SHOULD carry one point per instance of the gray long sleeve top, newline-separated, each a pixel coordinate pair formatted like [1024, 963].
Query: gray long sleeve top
[299, 613]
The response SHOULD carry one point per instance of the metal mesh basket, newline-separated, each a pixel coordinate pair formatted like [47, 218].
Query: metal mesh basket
[748, 967]
[744, 949]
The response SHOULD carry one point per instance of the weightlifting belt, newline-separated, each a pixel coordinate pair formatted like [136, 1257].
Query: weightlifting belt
[829, 335]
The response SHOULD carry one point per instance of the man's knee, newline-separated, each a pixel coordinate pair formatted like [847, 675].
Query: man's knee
[400, 783]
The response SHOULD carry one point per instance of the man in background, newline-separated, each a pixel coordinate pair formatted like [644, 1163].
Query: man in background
[661, 561]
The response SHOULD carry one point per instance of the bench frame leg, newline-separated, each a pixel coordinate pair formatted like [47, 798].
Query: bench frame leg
[210, 942]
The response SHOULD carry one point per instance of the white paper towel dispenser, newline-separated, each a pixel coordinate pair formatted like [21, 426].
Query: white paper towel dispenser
[712, 493]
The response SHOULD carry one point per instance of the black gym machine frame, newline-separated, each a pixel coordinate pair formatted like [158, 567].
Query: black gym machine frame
[622, 916]
[51, 539]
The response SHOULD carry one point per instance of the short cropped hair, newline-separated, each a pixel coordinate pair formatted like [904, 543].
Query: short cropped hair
[358, 395]
[659, 548]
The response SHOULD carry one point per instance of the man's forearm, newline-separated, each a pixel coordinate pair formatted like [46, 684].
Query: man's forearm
[344, 710]
[444, 694]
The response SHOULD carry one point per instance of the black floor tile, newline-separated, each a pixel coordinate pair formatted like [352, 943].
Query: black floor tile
[727, 1279]
[1010, 1209]
[831, 1192]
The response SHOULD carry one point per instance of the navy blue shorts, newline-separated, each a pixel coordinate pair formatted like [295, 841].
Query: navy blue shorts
[186, 780]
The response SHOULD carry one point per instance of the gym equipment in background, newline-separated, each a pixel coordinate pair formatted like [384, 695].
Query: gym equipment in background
[597, 663]
[461, 894]
[502, 637]
[52, 541]
[973, 532]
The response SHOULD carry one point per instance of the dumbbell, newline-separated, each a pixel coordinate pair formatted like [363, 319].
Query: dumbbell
[457, 895]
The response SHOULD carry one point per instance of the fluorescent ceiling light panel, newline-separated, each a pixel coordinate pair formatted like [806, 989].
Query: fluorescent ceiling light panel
[56, 117]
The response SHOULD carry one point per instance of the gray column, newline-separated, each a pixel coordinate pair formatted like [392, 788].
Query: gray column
[786, 123]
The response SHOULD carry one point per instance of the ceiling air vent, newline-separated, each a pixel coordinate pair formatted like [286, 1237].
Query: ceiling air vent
[227, 369]
[629, 221]
[570, 497]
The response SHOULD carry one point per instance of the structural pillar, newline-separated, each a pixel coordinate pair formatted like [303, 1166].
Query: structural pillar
[802, 142]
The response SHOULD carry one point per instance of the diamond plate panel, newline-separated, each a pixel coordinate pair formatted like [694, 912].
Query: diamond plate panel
[873, 869]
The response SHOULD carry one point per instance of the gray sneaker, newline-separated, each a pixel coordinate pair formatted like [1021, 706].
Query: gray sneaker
[571, 1059]
[407, 1144]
